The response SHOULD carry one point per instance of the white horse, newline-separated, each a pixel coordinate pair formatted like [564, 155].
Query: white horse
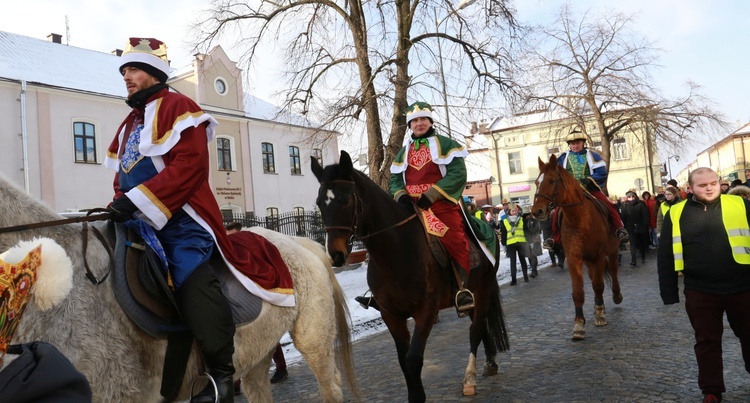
[124, 364]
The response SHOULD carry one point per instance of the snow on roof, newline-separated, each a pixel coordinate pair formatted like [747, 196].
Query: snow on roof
[523, 120]
[257, 108]
[55, 64]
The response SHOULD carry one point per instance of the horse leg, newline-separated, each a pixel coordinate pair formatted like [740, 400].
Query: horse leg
[314, 338]
[575, 267]
[477, 334]
[410, 364]
[596, 274]
[255, 385]
[490, 352]
[613, 266]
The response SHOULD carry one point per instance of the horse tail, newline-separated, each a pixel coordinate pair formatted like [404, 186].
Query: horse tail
[496, 322]
[344, 352]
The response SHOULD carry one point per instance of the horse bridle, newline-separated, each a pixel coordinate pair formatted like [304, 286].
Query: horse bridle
[552, 199]
[90, 216]
[352, 228]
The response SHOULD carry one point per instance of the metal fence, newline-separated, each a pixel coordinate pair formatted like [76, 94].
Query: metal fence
[307, 224]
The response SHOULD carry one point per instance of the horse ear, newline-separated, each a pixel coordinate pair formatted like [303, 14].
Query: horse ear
[345, 164]
[541, 164]
[553, 159]
[316, 168]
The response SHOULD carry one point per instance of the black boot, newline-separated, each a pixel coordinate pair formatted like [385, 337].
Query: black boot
[464, 298]
[209, 317]
[367, 302]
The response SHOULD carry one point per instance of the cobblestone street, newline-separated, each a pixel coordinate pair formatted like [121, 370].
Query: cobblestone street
[644, 354]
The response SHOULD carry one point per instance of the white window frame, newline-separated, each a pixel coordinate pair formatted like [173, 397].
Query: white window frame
[232, 152]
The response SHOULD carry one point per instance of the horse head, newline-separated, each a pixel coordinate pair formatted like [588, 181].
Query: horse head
[339, 205]
[555, 186]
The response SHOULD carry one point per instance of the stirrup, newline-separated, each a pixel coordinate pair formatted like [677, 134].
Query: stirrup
[463, 310]
[211, 381]
[365, 301]
[548, 244]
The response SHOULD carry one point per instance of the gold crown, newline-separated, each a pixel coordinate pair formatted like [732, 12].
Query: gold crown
[147, 45]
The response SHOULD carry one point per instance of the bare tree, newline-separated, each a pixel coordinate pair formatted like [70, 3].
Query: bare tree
[346, 57]
[597, 69]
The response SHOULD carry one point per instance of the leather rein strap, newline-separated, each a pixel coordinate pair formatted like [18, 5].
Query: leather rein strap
[104, 215]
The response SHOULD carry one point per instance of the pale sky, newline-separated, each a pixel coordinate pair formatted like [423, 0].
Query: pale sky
[703, 41]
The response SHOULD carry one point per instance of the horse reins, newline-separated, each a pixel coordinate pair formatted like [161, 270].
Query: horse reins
[552, 203]
[104, 215]
[353, 227]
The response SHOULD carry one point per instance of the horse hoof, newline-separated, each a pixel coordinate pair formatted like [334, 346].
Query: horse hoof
[617, 299]
[579, 335]
[600, 322]
[470, 390]
[490, 369]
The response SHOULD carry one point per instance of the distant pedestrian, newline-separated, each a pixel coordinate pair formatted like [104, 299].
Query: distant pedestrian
[278, 359]
[651, 204]
[636, 219]
[547, 234]
[512, 236]
[742, 191]
[706, 239]
[532, 230]
[671, 197]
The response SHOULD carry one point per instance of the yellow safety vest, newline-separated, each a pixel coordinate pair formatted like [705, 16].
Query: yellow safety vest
[664, 208]
[734, 217]
[517, 235]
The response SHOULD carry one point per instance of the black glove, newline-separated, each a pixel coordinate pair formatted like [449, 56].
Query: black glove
[122, 209]
[424, 202]
[590, 184]
[405, 201]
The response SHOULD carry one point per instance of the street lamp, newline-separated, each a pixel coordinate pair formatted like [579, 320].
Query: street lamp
[669, 165]
[461, 5]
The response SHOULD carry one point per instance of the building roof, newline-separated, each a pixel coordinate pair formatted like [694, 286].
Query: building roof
[53, 64]
[48, 63]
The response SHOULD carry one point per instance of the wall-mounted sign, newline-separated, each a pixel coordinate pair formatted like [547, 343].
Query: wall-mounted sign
[229, 193]
[518, 188]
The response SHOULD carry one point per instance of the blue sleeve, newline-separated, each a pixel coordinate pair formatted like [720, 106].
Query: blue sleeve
[599, 174]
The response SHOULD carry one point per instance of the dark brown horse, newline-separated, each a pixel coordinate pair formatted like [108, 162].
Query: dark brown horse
[404, 276]
[586, 238]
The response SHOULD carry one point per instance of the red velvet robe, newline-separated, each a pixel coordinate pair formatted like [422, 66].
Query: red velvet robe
[175, 136]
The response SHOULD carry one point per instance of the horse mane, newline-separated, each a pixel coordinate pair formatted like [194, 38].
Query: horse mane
[21, 208]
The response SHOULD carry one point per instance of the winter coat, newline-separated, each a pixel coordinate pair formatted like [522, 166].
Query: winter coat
[635, 217]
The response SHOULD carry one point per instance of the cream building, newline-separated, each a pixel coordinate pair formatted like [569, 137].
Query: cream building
[728, 157]
[62, 105]
[515, 144]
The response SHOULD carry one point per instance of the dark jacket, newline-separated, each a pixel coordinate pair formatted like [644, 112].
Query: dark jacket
[709, 264]
[41, 373]
[635, 217]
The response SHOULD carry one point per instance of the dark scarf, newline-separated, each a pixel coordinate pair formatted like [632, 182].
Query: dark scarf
[140, 98]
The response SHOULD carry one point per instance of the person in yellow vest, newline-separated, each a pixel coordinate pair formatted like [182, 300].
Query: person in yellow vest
[671, 197]
[707, 238]
[512, 236]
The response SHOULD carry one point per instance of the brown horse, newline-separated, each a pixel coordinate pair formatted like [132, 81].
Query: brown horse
[586, 237]
[403, 274]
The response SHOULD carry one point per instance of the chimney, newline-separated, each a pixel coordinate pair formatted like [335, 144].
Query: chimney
[55, 38]
[117, 52]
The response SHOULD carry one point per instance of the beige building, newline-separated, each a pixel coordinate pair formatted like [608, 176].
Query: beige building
[515, 144]
[728, 157]
[62, 105]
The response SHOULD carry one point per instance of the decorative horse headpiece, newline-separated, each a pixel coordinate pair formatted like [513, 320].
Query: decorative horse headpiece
[23, 273]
